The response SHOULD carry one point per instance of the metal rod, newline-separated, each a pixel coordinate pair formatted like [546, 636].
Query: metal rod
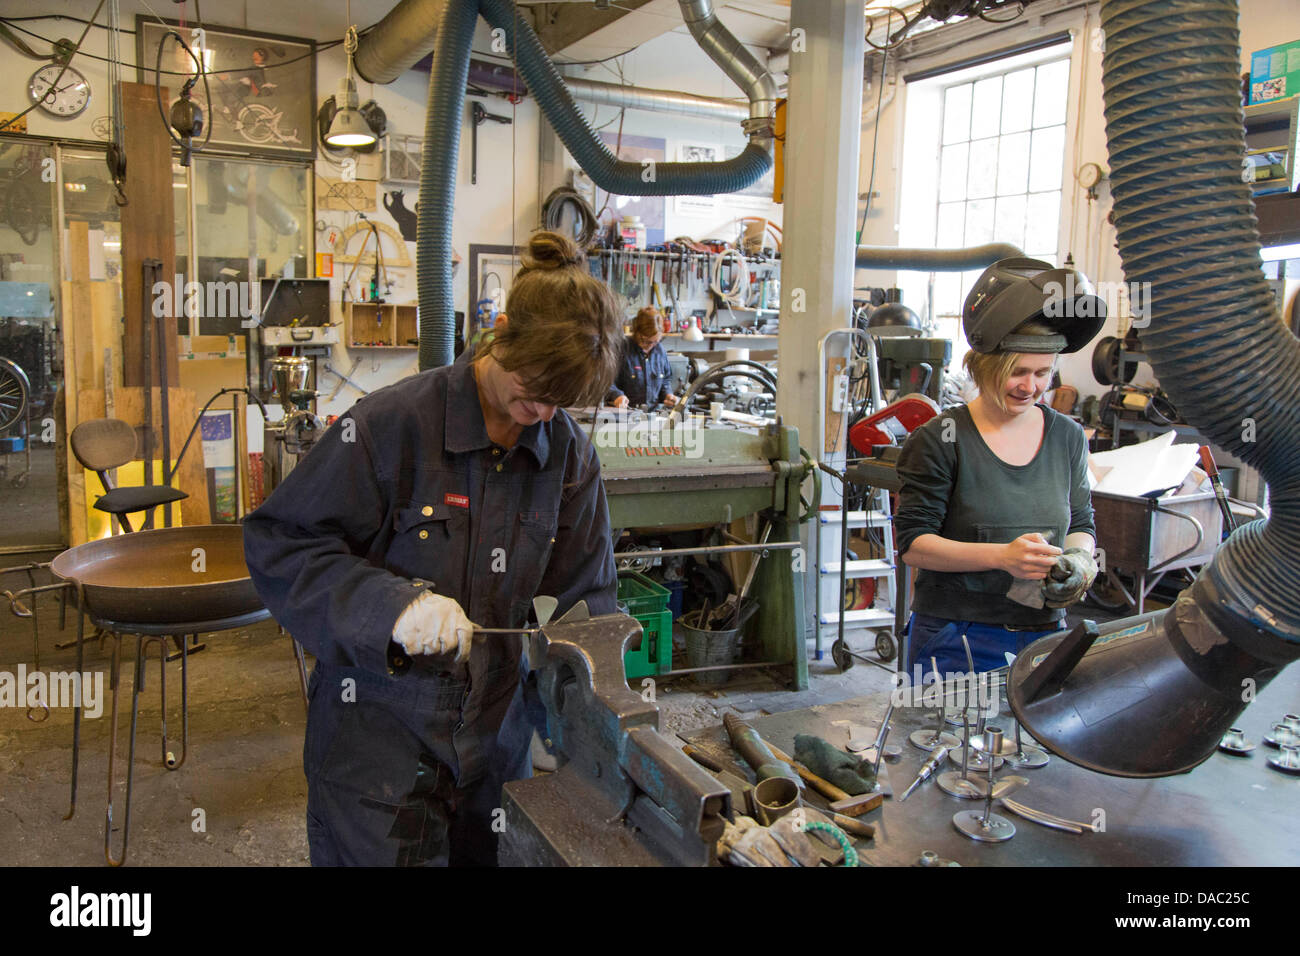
[881, 737]
[713, 549]
[721, 667]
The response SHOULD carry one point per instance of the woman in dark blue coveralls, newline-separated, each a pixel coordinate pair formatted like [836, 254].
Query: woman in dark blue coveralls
[644, 376]
[455, 495]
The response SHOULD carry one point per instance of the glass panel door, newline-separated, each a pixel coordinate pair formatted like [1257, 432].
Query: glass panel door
[30, 353]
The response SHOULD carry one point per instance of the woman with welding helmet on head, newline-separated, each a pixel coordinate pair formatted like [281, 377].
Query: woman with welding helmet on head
[454, 496]
[995, 509]
[644, 375]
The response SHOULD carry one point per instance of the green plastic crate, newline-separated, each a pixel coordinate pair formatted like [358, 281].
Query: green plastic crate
[647, 602]
[655, 655]
[641, 594]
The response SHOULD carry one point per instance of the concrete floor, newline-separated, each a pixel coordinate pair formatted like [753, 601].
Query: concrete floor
[243, 770]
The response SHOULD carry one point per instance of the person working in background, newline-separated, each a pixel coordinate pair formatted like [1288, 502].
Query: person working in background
[455, 496]
[995, 508]
[644, 375]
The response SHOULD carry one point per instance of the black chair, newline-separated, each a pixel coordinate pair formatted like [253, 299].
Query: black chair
[102, 444]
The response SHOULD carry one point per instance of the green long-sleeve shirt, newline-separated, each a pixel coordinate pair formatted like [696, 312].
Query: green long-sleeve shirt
[956, 487]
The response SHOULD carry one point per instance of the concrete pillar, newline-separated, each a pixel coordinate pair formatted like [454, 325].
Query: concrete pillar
[821, 183]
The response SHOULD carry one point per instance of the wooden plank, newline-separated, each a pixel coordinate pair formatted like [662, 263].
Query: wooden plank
[192, 477]
[79, 250]
[147, 223]
[834, 420]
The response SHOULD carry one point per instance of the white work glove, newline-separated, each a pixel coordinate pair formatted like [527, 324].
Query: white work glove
[746, 843]
[433, 624]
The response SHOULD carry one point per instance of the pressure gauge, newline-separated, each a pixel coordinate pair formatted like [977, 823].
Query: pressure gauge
[69, 99]
[1090, 174]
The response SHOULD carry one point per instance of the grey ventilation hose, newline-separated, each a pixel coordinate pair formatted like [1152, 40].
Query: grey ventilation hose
[442, 124]
[935, 260]
[1171, 74]
[443, 120]
[605, 169]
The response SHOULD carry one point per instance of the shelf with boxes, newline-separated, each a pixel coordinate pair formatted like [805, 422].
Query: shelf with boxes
[381, 325]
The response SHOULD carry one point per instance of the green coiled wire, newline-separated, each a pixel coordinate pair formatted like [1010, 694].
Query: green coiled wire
[850, 854]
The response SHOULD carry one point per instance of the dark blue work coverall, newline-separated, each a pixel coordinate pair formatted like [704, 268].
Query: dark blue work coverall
[644, 379]
[405, 756]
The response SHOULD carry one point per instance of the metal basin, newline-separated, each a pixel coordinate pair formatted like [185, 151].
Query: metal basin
[167, 576]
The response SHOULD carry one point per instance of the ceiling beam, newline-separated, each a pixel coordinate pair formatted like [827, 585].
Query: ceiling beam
[570, 23]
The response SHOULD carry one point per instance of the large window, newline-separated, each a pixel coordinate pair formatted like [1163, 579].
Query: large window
[996, 138]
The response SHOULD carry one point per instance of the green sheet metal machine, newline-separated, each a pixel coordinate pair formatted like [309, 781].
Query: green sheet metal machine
[625, 794]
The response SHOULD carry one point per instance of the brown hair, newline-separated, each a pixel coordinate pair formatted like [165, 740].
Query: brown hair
[564, 333]
[990, 370]
[647, 323]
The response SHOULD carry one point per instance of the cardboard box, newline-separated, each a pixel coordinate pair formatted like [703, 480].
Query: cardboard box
[1275, 73]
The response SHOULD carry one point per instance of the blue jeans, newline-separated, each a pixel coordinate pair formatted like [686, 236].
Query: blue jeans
[939, 638]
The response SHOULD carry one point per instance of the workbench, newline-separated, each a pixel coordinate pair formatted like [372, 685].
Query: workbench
[1229, 811]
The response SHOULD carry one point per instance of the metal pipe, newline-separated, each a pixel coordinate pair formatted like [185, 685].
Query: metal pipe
[661, 101]
[720, 667]
[737, 62]
[398, 41]
[935, 260]
[711, 549]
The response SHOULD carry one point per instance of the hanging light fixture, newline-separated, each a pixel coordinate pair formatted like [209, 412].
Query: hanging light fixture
[349, 127]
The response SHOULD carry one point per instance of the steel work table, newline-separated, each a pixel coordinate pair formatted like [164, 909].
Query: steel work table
[1229, 811]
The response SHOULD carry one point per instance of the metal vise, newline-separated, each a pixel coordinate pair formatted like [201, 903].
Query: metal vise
[624, 795]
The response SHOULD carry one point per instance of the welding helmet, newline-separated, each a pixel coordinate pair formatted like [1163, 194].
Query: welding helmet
[1012, 292]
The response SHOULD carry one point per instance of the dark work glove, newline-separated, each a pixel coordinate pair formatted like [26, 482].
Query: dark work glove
[846, 771]
[1069, 578]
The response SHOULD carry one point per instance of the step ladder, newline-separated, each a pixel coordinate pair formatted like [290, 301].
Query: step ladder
[871, 627]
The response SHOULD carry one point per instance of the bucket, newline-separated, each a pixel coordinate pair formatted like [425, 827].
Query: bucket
[711, 648]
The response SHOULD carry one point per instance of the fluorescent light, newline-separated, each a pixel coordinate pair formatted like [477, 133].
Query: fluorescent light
[1277, 253]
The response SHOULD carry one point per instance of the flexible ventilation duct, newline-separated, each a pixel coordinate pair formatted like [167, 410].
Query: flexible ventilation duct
[1162, 689]
[451, 61]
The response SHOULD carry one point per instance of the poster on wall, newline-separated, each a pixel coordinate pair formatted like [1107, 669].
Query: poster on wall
[262, 85]
[217, 432]
[651, 209]
[696, 205]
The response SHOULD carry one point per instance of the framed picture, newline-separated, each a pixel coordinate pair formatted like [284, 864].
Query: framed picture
[262, 85]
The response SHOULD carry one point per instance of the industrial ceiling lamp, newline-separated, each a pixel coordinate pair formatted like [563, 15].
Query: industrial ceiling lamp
[349, 127]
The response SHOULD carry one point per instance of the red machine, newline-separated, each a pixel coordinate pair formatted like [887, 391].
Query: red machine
[893, 423]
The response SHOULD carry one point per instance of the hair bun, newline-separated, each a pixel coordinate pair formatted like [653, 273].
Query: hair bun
[552, 250]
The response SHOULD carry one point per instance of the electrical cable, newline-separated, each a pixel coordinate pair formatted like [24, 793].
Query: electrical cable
[320, 47]
[736, 296]
[553, 214]
[875, 140]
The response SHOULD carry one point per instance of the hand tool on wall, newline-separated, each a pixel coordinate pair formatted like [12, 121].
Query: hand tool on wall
[344, 379]
[478, 117]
